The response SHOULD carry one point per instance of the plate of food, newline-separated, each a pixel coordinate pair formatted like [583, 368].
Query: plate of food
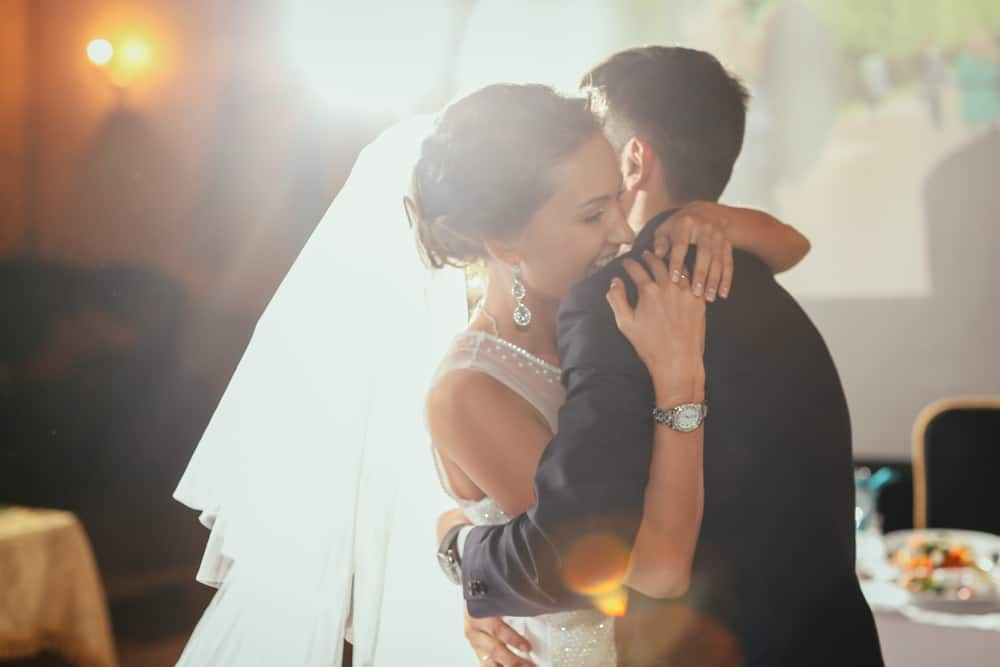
[947, 570]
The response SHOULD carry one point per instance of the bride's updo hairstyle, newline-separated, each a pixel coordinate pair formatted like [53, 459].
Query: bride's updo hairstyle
[489, 165]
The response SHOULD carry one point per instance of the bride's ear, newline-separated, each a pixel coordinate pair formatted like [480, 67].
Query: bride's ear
[636, 163]
[504, 252]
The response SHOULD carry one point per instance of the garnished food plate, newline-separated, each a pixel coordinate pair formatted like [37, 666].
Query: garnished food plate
[947, 570]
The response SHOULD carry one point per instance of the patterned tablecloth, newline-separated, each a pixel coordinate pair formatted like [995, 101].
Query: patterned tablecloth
[50, 591]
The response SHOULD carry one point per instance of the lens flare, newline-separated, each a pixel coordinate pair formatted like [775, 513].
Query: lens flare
[596, 566]
[614, 603]
[135, 54]
[100, 52]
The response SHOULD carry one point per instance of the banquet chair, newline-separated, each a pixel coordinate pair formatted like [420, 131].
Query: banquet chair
[956, 464]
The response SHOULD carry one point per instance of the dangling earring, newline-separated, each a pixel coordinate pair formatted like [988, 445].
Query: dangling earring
[522, 316]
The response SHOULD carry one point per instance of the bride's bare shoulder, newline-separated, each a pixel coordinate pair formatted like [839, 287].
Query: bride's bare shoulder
[467, 391]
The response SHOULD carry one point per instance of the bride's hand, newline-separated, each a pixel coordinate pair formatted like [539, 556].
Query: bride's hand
[703, 224]
[666, 328]
[490, 639]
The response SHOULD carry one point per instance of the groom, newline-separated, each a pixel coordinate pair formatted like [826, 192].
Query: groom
[773, 579]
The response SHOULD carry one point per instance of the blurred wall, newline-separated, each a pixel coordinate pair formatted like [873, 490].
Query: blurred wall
[897, 355]
[214, 165]
[143, 228]
[14, 103]
[210, 168]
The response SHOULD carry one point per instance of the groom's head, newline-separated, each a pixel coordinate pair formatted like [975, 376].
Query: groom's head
[676, 118]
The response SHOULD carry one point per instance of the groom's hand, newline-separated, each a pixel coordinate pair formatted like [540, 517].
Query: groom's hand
[448, 520]
[491, 638]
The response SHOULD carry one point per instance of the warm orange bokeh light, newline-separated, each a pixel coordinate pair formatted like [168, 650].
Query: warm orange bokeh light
[123, 64]
[614, 603]
[100, 51]
[596, 565]
[135, 54]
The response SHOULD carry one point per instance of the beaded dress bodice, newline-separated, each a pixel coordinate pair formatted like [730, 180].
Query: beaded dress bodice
[567, 639]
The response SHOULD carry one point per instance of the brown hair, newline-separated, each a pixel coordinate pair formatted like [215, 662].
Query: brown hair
[684, 103]
[487, 167]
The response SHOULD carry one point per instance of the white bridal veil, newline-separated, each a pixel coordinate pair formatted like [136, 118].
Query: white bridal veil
[314, 474]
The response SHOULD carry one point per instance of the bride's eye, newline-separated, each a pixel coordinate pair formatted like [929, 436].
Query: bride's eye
[595, 218]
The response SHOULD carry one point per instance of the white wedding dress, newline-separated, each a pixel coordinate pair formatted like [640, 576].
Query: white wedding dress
[313, 475]
[567, 639]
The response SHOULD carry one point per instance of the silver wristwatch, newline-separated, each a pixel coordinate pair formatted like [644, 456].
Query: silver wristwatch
[448, 558]
[684, 418]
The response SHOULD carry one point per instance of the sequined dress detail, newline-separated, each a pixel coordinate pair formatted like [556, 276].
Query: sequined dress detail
[567, 639]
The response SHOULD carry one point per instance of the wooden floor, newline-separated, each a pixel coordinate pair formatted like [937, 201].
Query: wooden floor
[151, 627]
[159, 653]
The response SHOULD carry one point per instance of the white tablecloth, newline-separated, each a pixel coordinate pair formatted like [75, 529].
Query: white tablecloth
[913, 637]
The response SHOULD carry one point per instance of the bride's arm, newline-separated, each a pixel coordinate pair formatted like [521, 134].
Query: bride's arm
[719, 228]
[662, 555]
[490, 434]
[781, 246]
[660, 564]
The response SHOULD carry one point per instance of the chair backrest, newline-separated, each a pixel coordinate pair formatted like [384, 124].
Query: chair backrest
[956, 464]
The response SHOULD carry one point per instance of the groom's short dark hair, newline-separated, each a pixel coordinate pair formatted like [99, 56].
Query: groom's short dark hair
[684, 103]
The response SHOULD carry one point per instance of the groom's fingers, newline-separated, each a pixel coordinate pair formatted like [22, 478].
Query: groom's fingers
[497, 629]
[491, 650]
[506, 634]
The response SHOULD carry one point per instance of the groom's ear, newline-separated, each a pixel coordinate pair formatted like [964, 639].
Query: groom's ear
[636, 163]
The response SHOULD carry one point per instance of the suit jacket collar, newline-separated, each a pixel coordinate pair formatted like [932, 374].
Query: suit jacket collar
[644, 240]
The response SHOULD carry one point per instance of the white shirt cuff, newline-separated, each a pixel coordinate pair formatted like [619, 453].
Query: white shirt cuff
[460, 541]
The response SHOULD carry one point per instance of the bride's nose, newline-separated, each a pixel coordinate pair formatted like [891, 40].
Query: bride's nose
[620, 232]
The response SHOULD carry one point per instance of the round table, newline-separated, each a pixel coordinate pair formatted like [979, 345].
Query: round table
[50, 591]
[913, 637]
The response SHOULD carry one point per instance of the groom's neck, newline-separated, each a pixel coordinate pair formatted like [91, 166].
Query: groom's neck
[648, 204]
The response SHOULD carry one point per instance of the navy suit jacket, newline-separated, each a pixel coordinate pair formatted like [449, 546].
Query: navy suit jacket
[773, 579]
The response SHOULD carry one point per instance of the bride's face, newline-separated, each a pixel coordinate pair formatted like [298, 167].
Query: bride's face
[580, 228]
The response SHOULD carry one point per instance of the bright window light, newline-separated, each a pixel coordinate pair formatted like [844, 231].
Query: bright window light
[375, 57]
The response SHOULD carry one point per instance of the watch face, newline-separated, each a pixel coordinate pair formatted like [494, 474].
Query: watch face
[688, 418]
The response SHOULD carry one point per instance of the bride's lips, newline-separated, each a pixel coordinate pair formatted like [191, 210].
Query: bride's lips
[601, 262]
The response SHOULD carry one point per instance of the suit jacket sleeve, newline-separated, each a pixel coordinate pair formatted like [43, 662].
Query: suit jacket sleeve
[591, 478]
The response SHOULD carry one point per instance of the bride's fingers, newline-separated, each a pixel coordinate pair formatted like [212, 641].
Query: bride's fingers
[636, 272]
[702, 261]
[618, 301]
[714, 279]
[661, 240]
[727, 271]
[678, 251]
[657, 268]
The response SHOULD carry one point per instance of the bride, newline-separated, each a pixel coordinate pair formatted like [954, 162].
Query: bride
[310, 475]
